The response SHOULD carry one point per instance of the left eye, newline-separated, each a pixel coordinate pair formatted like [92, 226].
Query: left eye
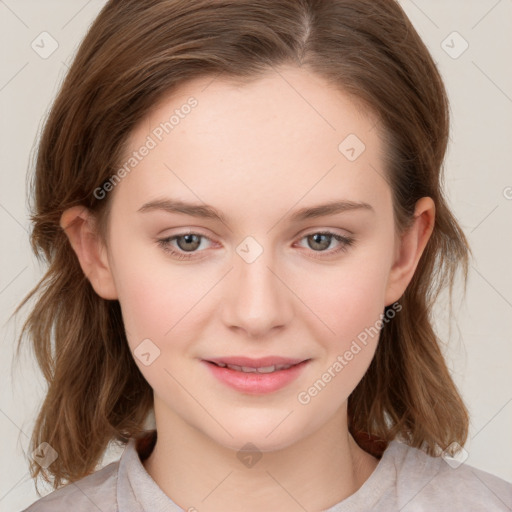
[322, 240]
[188, 243]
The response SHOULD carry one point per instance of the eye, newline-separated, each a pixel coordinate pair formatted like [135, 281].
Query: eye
[187, 243]
[320, 241]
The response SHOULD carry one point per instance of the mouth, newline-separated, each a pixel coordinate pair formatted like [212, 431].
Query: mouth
[252, 369]
[256, 376]
[268, 364]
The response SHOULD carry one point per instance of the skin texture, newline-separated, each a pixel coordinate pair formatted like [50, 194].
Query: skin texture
[257, 153]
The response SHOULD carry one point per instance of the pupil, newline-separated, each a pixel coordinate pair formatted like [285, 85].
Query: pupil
[189, 239]
[318, 243]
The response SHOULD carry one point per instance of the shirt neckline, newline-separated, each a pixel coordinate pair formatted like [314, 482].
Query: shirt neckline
[136, 487]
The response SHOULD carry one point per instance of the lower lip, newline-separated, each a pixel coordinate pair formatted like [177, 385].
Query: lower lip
[256, 383]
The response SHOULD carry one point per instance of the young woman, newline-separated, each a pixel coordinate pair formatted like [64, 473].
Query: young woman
[241, 207]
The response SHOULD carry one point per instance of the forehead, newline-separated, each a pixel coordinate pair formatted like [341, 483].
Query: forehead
[275, 140]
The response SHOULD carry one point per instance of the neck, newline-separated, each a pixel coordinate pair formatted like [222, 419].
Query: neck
[314, 473]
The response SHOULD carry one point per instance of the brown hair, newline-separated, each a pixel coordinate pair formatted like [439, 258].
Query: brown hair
[134, 54]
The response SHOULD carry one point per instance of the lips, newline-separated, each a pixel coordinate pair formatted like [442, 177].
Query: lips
[256, 376]
[267, 364]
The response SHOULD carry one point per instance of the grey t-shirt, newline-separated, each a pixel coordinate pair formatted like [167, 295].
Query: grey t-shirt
[406, 480]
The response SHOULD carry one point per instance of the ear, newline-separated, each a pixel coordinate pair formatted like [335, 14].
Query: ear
[409, 249]
[79, 225]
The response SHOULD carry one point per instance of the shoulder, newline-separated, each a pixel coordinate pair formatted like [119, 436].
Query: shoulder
[435, 483]
[96, 491]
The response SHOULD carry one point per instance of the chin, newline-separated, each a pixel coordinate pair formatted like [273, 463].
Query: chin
[267, 436]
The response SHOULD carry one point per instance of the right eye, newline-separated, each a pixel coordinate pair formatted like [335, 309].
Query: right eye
[187, 245]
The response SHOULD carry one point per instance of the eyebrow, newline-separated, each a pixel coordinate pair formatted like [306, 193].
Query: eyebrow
[209, 212]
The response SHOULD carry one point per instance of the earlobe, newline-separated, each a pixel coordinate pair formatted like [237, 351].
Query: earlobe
[79, 225]
[411, 247]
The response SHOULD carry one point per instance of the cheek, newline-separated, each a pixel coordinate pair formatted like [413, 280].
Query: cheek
[351, 303]
[153, 294]
[158, 314]
[154, 304]
[347, 299]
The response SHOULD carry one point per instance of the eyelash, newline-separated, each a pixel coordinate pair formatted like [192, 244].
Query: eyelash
[345, 241]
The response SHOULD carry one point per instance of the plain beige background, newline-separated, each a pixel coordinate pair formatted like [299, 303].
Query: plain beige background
[470, 41]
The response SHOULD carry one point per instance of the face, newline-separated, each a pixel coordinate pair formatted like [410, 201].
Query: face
[265, 280]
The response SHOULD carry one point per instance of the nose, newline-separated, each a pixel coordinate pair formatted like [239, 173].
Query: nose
[256, 299]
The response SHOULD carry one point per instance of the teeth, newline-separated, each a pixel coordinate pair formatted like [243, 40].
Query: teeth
[266, 369]
[250, 369]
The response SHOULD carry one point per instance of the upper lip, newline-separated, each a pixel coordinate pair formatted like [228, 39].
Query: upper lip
[259, 362]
